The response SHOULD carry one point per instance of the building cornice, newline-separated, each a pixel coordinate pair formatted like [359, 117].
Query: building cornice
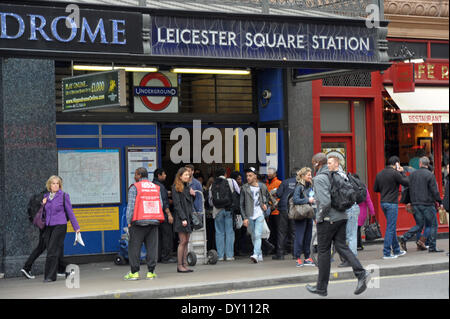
[423, 8]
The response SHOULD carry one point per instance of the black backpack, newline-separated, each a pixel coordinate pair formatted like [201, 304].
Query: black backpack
[34, 204]
[222, 197]
[343, 195]
[359, 187]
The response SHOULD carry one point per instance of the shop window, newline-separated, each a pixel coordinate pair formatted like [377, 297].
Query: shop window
[335, 117]
[439, 50]
[407, 141]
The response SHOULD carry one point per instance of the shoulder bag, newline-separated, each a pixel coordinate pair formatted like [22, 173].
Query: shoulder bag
[299, 212]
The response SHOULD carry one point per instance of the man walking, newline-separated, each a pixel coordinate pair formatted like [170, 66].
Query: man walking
[165, 229]
[424, 193]
[253, 202]
[144, 214]
[331, 226]
[352, 213]
[387, 183]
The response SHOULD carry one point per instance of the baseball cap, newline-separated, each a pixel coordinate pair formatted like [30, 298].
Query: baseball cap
[251, 170]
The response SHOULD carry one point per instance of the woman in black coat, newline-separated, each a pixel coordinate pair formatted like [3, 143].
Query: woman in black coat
[183, 207]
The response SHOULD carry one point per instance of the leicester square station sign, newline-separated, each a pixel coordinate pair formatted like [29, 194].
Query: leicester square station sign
[181, 36]
[262, 40]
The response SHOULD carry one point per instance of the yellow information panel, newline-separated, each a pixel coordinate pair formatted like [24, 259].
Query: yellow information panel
[96, 219]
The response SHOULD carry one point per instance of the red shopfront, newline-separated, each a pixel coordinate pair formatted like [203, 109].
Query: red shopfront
[348, 123]
[351, 120]
[417, 124]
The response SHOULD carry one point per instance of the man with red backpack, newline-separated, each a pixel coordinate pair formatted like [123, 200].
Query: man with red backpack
[144, 214]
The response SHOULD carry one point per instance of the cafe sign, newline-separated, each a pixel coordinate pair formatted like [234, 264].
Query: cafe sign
[95, 90]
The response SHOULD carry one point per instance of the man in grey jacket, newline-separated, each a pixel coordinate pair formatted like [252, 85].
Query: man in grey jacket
[331, 226]
[254, 200]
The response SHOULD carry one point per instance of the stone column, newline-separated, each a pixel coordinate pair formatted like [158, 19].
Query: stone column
[28, 153]
[300, 122]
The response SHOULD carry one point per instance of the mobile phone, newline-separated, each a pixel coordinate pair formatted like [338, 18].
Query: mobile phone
[397, 165]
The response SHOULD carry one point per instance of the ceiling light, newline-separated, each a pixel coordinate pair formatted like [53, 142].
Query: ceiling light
[110, 68]
[210, 71]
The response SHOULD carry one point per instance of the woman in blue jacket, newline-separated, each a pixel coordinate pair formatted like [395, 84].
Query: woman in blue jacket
[303, 228]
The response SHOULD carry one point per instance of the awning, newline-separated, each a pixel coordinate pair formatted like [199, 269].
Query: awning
[424, 105]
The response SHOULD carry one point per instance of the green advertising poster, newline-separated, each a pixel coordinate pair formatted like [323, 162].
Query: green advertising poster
[95, 90]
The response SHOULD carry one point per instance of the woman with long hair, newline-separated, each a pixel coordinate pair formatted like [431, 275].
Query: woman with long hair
[183, 207]
[303, 228]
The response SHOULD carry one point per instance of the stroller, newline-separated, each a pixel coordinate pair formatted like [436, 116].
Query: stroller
[122, 255]
[197, 248]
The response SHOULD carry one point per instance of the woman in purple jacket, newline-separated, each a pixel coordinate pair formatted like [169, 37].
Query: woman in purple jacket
[363, 206]
[56, 216]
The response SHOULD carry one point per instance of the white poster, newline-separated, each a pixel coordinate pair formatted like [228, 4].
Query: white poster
[155, 92]
[140, 157]
[90, 176]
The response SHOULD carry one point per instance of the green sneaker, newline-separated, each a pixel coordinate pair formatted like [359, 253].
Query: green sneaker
[131, 276]
[151, 275]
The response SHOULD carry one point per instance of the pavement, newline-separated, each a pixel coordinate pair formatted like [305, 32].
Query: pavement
[105, 279]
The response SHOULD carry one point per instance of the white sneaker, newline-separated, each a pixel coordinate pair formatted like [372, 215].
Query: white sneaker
[260, 258]
[390, 257]
[27, 274]
[254, 258]
[230, 259]
[402, 253]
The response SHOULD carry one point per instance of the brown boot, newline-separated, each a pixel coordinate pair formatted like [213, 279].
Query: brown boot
[421, 244]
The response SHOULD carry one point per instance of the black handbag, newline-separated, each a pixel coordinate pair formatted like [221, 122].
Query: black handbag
[372, 231]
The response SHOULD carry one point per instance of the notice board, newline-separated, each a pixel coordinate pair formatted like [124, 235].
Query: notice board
[91, 176]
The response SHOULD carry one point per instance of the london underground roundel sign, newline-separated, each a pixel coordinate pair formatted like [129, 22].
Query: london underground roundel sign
[156, 92]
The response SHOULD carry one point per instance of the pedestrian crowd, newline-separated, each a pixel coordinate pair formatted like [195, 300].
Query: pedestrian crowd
[308, 212]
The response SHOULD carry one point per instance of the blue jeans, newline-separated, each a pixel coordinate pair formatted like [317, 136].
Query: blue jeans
[430, 219]
[256, 227]
[390, 238]
[224, 234]
[351, 230]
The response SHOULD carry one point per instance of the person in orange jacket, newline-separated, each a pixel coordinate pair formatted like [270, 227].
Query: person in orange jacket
[272, 184]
